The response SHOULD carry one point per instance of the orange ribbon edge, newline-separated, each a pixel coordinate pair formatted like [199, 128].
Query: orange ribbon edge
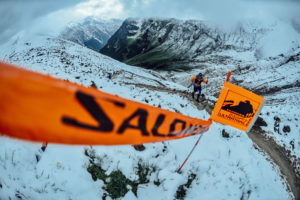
[41, 108]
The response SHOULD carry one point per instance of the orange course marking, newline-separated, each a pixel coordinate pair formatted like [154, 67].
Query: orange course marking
[237, 107]
[40, 108]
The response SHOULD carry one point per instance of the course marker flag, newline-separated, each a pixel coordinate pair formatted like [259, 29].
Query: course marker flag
[37, 107]
[237, 107]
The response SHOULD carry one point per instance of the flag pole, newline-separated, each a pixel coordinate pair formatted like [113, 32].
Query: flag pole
[190, 153]
[228, 76]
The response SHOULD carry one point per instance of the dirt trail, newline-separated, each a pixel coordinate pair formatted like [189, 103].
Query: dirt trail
[205, 104]
[275, 152]
[279, 157]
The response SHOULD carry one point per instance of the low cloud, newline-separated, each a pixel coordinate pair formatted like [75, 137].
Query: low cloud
[224, 13]
[100, 8]
[51, 15]
[18, 14]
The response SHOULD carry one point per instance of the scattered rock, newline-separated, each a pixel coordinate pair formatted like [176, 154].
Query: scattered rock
[93, 85]
[260, 122]
[140, 147]
[286, 129]
[225, 134]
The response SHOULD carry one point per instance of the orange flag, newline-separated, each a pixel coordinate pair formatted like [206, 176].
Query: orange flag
[37, 107]
[237, 107]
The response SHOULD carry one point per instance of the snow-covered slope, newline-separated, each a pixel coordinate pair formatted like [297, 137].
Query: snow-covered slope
[91, 32]
[275, 78]
[222, 167]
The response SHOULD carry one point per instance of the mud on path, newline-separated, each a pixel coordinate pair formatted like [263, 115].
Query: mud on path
[275, 152]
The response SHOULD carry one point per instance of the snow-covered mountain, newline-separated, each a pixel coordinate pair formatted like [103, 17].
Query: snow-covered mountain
[91, 32]
[180, 45]
[225, 165]
[177, 44]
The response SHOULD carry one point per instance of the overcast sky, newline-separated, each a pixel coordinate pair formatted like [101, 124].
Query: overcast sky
[46, 16]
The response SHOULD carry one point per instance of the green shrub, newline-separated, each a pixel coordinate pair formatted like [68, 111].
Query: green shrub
[181, 191]
[116, 184]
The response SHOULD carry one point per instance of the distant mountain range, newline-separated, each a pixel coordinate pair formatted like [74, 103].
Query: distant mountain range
[91, 32]
[177, 44]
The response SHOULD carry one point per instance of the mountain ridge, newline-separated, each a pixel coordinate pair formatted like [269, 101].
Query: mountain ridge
[175, 44]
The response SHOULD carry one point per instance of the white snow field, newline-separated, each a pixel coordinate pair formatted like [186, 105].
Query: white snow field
[224, 168]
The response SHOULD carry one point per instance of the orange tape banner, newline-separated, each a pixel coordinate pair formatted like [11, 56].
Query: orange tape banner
[237, 107]
[37, 107]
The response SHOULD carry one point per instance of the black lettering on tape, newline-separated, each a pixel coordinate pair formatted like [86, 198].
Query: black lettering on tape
[95, 110]
[160, 119]
[142, 120]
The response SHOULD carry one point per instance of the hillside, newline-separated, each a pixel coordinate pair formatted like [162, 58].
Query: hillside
[226, 164]
[264, 58]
